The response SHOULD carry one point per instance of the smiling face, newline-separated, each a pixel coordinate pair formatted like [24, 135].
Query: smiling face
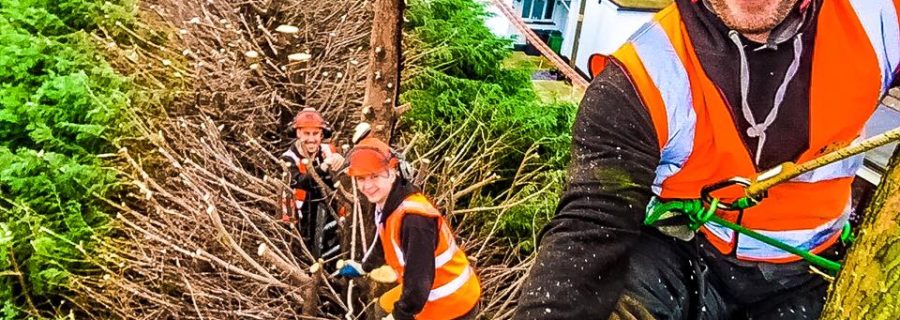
[752, 17]
[310, 139]
[377, 186]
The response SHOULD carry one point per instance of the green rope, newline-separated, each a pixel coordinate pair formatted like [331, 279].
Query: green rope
[699, 219]
[806, 255]
[847, 236]
[699, 214]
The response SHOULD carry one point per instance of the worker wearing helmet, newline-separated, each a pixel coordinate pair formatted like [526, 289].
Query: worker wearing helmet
[310, 129]
[436, 280]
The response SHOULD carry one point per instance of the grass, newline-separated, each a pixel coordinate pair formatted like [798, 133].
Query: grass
[519, 59]
[550, 91]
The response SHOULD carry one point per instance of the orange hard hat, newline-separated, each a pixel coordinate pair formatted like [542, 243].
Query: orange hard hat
[370, 156]
[309, 118]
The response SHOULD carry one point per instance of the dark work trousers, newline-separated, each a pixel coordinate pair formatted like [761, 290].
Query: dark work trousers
[674, 279]
[329, 245]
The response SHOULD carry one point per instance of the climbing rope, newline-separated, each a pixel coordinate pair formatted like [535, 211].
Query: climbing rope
[789, 170]
[700, 211]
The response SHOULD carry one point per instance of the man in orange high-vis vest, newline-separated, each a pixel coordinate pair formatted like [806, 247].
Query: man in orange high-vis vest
[706, 91]
[436, 280]
[310, 129]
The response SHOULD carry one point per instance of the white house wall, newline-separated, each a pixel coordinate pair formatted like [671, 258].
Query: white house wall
[560, 16]
[499, 25]
[605, 28]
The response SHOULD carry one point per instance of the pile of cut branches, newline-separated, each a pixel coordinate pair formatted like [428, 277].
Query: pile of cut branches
[198, 237]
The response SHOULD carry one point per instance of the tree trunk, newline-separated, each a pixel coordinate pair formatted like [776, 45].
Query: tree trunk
[383, 80]
[382, 92]
[868, 287]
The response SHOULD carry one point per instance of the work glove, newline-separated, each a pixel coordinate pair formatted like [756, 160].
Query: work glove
[332, 161]
[350, 269]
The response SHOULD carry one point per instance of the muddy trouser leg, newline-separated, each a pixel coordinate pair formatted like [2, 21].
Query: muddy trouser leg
[667, 280]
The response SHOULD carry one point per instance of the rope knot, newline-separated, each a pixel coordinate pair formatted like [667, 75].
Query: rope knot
[756, 131]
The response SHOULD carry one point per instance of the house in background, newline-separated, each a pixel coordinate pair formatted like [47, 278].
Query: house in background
[542, 16]
[605, 26]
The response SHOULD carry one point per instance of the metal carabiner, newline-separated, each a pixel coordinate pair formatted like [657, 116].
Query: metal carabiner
[739, 204]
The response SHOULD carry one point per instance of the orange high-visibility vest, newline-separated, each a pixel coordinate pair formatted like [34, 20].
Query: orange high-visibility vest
[856, 54]
[456, 288]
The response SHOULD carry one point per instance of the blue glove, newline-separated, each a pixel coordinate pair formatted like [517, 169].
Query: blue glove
[350, 269]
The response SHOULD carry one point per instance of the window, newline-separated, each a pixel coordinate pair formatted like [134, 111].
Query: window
[540, 10]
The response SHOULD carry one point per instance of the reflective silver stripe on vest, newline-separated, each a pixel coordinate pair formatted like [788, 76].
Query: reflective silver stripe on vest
[445, 256]
[879, 19]
[805, 239]
[450, 287]
[398, 252]
[290, 154]
[720, 231]
[668, 75]
[439, 261]
[297, 205]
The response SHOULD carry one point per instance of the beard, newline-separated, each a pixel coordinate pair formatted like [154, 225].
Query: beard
[755, 18]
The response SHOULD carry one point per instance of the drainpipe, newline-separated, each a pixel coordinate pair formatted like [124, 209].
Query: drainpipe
[581, 5]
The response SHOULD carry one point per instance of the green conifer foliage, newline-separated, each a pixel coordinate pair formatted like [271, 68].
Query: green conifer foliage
[458, 81]
[61, 105]
[462, 75]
